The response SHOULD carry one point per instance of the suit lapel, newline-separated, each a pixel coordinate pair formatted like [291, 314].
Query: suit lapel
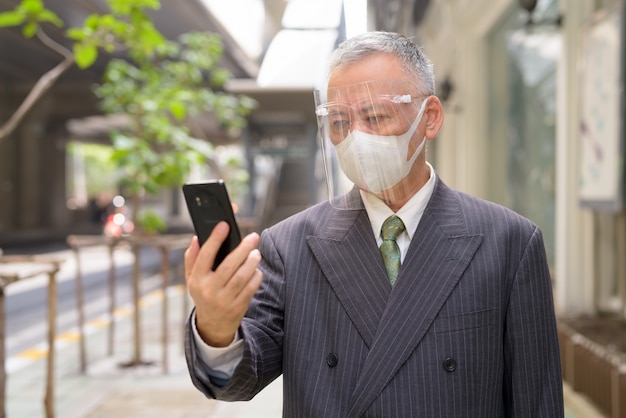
[439, 254]
[349, 258]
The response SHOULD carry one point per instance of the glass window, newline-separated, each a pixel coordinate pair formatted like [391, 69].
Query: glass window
[522, 117]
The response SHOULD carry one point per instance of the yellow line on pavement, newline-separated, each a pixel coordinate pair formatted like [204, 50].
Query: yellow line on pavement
[34, 353]
[69, 336]
[123, 311]
[99, 323]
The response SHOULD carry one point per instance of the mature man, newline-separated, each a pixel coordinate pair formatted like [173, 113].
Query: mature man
[401, 298]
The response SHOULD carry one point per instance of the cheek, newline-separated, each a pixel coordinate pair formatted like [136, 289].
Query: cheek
[416, 141]
[335, 141]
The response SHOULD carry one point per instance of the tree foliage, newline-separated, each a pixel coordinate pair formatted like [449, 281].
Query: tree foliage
[159, 83]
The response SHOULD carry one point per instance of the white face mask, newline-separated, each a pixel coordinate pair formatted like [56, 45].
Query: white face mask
[375, 162]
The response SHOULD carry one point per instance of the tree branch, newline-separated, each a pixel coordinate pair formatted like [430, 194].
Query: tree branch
[41, 87]
[54, 45]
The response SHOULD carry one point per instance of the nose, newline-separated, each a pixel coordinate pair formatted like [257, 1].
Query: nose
[359, 122]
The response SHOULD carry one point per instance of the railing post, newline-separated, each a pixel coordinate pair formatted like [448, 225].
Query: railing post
[79, 304]
[52, 311]
[44, 265]
[3, 374]
[112, 305]
[165, 270]
[137, 359]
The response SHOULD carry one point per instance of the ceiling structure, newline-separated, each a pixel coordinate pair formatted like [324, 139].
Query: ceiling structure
[23, 61]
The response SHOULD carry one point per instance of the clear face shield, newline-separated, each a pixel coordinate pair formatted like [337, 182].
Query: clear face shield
[369, 138]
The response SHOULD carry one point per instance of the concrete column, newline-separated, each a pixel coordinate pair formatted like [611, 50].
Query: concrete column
[55, 215]
[29, 188]
[574, 289]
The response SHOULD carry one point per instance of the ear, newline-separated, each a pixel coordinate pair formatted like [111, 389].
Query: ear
[433, 115]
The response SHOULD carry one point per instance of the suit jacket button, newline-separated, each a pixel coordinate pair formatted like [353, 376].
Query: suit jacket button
[332, 360]
[449, 364]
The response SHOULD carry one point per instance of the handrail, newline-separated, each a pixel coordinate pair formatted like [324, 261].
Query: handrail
[164, 244]
[14, 268]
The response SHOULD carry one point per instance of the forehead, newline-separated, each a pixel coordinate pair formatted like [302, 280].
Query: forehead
[372, 68]
[379, 74]
[368, 90]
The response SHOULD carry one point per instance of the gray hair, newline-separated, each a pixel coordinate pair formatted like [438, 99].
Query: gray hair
[415, 63]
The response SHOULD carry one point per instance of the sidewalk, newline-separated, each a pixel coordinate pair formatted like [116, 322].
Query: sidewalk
[109, 390]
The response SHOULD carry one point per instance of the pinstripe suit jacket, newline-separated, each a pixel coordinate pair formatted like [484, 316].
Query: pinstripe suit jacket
[468, 330]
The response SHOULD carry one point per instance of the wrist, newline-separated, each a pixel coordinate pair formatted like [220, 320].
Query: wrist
[214, 339]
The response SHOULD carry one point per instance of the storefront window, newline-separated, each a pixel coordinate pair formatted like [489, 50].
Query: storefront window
[522, 118]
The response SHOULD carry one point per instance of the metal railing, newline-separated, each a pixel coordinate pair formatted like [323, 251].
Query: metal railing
[15, 268]
[164, 244]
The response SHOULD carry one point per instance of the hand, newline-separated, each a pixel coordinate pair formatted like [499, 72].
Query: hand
[222, 296]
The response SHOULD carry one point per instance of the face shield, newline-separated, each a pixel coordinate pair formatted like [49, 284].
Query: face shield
[369, 138]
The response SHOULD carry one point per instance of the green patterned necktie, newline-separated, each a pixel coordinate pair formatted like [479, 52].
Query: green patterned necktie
[392, 228]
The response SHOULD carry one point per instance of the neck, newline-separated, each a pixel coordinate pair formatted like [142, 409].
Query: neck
[401, 193]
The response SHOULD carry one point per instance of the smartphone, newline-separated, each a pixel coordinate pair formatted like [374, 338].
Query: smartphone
[208, 203]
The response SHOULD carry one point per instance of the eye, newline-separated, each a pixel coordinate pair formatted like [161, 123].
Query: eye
[377, 118]
[339, 120]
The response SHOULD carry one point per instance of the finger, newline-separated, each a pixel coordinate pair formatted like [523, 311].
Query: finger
[241, 303]
[191, 254]
[249, 290]
[208, 251]
[238, 256]
[243, 274]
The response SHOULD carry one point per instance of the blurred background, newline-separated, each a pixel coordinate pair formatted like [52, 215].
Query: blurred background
[534, 99]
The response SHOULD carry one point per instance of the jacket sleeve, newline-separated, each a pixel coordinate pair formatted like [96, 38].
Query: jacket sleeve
[533, 382]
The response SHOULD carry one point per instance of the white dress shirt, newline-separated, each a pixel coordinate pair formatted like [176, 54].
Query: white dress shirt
[224, 360]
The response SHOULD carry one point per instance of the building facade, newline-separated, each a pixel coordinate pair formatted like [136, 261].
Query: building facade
[515, 99]
[534, 120]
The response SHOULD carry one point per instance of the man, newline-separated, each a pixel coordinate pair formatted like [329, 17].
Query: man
[453, 317]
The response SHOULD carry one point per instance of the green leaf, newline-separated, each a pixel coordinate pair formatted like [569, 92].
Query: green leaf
[49, 16]
[178, 110]
[151, 222]
[10, 19]
[92, 22]
[85, 55]
[125, 7]
[76, 34]
[150, 37]
[30, 29]
[219, 77]
[32, 7]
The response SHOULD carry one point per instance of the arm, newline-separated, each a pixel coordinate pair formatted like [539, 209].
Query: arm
[533, 382]
[221, 298]
[261, 340]
[221, 361]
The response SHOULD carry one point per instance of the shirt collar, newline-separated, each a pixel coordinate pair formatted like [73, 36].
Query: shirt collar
[411, 213]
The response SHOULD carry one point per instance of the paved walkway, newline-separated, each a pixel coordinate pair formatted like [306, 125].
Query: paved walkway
[108, 389]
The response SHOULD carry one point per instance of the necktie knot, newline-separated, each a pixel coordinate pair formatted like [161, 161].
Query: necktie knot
[391, 229]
